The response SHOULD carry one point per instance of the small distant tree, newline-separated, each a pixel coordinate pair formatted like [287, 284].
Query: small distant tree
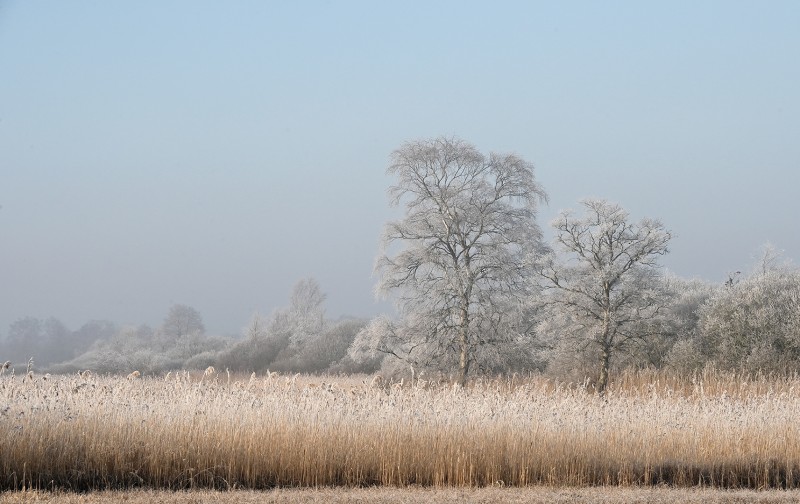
[606, 295]
[328, 348]
[56, 343]
[182, 321]
[256, 329]
[181, 335]
[456, 263]
[306, 313]
[276, 342]
[771, 259]
[90, 332]
[46, 340]
[24, 340]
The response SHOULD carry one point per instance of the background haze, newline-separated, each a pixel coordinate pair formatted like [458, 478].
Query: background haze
[213, 154]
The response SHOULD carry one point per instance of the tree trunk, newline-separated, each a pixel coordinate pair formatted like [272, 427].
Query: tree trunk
[602, 382]
[463, 340]
[605, 340]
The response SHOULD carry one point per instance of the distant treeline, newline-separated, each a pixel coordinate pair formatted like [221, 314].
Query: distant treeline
[751, 322]
[298, 339]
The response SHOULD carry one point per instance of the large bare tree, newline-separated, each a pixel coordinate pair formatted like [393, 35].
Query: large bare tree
[607, 294]
[456, 263]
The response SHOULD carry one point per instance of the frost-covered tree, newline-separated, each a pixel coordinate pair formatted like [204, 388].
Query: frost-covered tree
[291, 339]
[748, 323]
[681, 341]
[753, 325]
[256, 328]
[771, 259]
[181, 332]
[606, 295]
[303, 319]
[182, 321]
[329, 348]
[90, 332]
[456, 263]
[306, 313]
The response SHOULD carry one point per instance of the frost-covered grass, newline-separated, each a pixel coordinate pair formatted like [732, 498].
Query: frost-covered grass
[217, 432]
[415, 495]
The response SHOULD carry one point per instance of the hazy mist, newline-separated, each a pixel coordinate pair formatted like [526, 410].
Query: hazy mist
[212, 155]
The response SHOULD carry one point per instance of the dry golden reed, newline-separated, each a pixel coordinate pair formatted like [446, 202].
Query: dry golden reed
[213, 431]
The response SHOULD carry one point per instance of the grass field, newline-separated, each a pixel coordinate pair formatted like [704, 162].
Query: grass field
[79, 433]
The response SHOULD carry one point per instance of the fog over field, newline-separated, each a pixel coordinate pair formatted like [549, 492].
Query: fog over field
[212, 155]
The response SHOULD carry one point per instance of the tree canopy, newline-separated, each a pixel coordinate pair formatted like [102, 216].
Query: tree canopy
[457, 263]
[606, 291]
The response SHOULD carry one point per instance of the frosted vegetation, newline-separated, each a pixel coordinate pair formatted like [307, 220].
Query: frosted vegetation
[508, 362]
[215, 430]
[478, 293]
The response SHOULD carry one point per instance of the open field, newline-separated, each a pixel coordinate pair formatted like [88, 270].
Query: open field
[416, 495]
[262, 432]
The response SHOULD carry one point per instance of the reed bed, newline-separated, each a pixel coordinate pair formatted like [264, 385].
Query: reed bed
[214, 431]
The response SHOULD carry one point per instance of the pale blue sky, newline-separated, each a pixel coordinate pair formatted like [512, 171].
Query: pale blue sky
[214, 153]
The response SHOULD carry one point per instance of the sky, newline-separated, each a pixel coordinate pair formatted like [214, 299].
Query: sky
[214, 153]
